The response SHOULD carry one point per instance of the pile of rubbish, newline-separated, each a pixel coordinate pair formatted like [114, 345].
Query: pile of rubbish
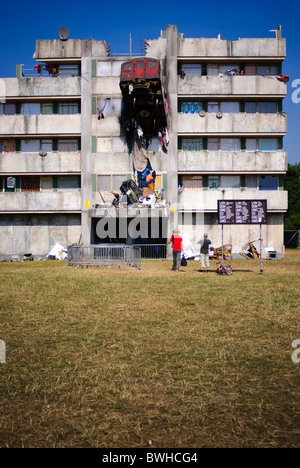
[140, 190]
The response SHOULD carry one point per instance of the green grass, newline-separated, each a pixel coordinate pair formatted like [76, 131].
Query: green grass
[101, 357]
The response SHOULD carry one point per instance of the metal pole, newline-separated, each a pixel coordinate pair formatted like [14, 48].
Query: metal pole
[261, 270]
[222, 242]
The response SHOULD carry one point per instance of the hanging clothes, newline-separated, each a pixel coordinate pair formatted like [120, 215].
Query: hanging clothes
[139, 151]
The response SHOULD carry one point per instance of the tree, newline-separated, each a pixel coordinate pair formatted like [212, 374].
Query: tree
[291, 183]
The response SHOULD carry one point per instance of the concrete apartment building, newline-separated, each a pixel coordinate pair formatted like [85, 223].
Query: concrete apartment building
[225, 127]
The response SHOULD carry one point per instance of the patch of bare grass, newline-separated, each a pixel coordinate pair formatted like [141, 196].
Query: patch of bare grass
[114, 358]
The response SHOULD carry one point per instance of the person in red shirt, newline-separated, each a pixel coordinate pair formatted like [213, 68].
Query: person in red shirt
[176, 240]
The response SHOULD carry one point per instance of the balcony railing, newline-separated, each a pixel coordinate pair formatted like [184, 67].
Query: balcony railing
[232, 161]
[207, 200]
[241, 123]
[231, 85]
[40, 124]
[40, 201]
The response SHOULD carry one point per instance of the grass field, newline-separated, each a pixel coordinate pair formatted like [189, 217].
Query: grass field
[101, 357]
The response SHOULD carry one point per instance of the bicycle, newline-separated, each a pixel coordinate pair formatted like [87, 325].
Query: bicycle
[224, 269]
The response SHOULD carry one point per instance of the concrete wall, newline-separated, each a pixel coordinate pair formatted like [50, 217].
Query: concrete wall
[37, 234]
[40, 124]
[231, 85]
[33, 162]
[72, 48]
[210, 47]
[40, 201]
[208, 199]
[42, 86]
[233, 161]
[241, 123]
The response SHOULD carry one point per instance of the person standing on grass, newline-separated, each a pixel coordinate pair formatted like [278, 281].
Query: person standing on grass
[176, 240]
[204, 253]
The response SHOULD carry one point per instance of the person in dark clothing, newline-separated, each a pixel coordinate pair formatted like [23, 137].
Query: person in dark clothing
[204, 253]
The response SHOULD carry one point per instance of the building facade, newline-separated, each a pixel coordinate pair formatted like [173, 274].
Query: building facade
[64, 153]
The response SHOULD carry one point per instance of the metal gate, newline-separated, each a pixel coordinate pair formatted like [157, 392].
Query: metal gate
[104, 254]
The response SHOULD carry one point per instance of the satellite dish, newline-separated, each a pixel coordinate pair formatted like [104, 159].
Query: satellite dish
[219, 114]
[43, 153]
[63, 34]
[202, 113]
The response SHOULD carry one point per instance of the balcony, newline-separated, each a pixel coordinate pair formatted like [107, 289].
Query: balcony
[42, 86]
[233, 161]
[34, 163]
[229, 124]
[246, 48]
[231, 85]
[40, 201]
[207, 200]
[40, 124]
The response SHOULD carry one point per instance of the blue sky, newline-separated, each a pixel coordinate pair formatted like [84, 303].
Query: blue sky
[24, 22]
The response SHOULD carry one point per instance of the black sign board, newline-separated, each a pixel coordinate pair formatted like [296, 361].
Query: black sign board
[226, 211]
[242, 211]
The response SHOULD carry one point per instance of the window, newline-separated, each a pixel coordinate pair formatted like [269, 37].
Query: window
[139, 64]
[67, 183]
[231, 182]
[267, 144]
[192, 69]
[213, 182]
[127, 66]
[229, 69]
[7, 146]
[46, 145]
[104, 182]
[111, 182]
[251, 182]
[250, 69]
[46, 183]
[30, 184]
[119, 144]
[117, 106]
[192, 144]
[212, 107]
[267, 107]
[212, 69]
[7, 109]
[230, 144]
[268, 182]
[267, 69]
[151, 64]
[67, 108]
[192, 182]
[117, 181]
[31, 108]
[230, 107]
[47, 108]
[191, 107]
[30, 146]
[251, 144]
[213, 144]
[68, 70]
[103, 68]
[250, 107]
[67, 145]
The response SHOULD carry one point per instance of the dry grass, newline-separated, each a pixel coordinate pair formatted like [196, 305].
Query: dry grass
[114, 358]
